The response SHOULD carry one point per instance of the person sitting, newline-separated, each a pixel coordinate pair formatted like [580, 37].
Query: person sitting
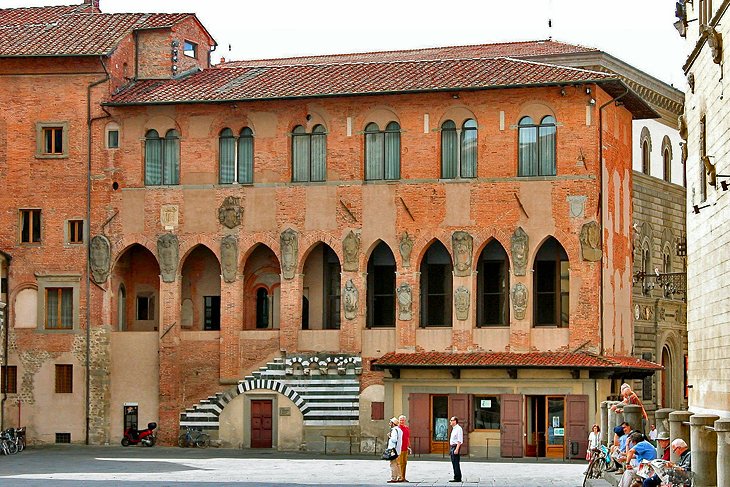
[679, 446]
[618, 451]
[639, 451]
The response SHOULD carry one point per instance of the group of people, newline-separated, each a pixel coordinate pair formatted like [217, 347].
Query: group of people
[399, 439]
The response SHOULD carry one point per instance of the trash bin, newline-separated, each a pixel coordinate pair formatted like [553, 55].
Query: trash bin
[574, 449]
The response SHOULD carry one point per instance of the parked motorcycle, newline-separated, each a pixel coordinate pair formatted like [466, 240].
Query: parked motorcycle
[146, 436]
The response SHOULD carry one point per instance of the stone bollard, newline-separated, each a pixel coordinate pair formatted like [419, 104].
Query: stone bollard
[661, 419]
[677, 429]
[722, 428]
[606, 438]
[633, 416]
[704, 450]
[614, 418]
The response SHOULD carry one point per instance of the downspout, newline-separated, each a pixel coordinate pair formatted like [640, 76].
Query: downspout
[6, 327]
[601, 200]
[89, 120]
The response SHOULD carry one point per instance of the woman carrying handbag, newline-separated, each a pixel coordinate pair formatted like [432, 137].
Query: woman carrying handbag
[395, 443]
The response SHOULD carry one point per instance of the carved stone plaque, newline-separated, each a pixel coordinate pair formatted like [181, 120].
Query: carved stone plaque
[169, 216]
[289, 252]
[351, 251]
[350, 295]
[167, 253]
[520, 249]
[577, 206]
[230, 212]
[405, 302]
[461, 302]
[405, 246]
[519, 300]
[100, 258]
[229, 258]
[590, 242]
[461, 243]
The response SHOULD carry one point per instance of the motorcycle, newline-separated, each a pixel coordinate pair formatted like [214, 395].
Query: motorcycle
[134, 436]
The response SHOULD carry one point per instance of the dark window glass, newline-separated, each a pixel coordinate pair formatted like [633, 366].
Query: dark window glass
[436, 286]
[212, 313]
[262, 308]
[30, 226]
[331, 289]
[76, 231]
[486, 412]
[145, 308]
[53, 140]
[112, 141]
[381, 287]
[551, 284]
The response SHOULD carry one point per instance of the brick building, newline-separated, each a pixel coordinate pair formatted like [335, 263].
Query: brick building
[285, 249]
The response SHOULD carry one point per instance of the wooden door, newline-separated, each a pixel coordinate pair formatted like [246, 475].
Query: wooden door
[511, 437]
[576, 424]
[418, 420]
[459, 407]
[261, 422]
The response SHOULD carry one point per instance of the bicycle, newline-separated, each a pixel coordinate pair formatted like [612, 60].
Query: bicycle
[600, 460]
[193, 437]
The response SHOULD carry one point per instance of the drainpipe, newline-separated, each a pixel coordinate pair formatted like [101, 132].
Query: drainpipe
[6, 314]
[89, 121]
[600, 197]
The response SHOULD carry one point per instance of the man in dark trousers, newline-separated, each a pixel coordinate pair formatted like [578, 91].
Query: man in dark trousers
[455, 441]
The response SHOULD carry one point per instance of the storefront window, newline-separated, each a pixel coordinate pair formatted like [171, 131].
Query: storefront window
[486, 412]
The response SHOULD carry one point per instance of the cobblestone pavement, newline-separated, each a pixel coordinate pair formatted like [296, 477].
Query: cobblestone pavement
[159, 466]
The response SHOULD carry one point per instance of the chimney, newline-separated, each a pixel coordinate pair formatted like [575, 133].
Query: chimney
[94, 4]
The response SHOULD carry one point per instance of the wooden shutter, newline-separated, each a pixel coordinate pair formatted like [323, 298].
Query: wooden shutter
[576, 424]
[419, 408]
[459, 407]
[511, 437]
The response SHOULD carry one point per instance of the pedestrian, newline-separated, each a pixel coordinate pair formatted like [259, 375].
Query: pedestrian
[403, 457]
[455, 442]
[652, 434]
[594, 439]
[395, 440]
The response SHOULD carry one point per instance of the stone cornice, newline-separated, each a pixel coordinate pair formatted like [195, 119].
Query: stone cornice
[702, 39]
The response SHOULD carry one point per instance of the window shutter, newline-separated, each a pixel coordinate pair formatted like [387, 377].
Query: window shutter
[319, 154]
[227, 152]
[171, 158]
[419, 407]
[373, 153]
[449, 150]
[392, 151]
[300, 152]
[152, 159]
[469, 149]
[245, 156]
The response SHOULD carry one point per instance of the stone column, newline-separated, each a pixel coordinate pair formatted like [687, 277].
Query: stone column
[722, 428]
[704, 450]
[170, 361]
[633, 416]
[604, 423]
[661, 419]
[232, 313]
[677, 429]
[614, 418]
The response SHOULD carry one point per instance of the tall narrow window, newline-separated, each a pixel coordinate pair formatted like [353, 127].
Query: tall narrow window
[262, 308]
[331, 289]
[227, 157]
[551, 284]
[59, 308]
[667, 159]
[436, 286]
[53, 140]
[235, 156]
[30, 226]
[122, 308]
[382, 152]
[162, 158]
[9, 379]
[646, 267]
[145, 307]
[309, 154]
[381, 288]
[211, 312]
[537, 147]
[645, 157]
[64, 378]
[458, 150]
[493, 286]
[75, 231]
[244, 156]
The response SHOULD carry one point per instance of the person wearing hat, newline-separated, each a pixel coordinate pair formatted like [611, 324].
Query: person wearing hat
[395, 441]
[663, 445]
[680, 447]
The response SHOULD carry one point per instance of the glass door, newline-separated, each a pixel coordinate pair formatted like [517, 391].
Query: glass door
[555, 426]
[439, 424]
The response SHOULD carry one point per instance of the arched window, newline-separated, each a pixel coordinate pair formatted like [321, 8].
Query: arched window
[262, 308]
[551, 285]
[646, 266]
[162, 158]
[645, 157]
[667, 159]
[236, 156]
[436, 286]
[381, 288]
[309, 154]
[322, 284]
[493, 286]
[382, 151]
[537, 147]
[458, 150]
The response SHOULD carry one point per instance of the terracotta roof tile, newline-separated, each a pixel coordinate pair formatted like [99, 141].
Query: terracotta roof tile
[37, 15]
[512, 359]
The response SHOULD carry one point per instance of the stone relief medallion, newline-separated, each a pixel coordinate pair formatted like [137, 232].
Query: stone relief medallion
[405, 302]
[230, 212]
[637, 312]
[405, 246]
[577, 206]
[289, 252]
[461, 243]
[351, 251]
[229, 258]
[461, 302]
[169, 216]
[519, 300]
[590, 242]
[100, 258]
[350, 295]
[167, 253]
[520, 248]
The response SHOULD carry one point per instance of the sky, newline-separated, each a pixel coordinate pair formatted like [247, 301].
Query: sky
[639, 33]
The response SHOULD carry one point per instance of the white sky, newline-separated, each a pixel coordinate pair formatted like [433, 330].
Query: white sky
[640, 32]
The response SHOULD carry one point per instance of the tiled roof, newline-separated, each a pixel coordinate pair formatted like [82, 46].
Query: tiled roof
[66, 33]
[524, 49]
[512, 360]
[38, 15]
[316, 80]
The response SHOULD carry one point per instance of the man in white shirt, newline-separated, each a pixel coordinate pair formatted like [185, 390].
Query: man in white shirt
[455, 441]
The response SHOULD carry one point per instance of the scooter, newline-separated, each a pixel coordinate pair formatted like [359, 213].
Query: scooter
[146, 437]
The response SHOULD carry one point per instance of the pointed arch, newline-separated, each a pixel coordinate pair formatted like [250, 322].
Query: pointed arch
[381, 284]
[436, 286]
[493, 285]
[321, 271]
[551, 284]
[200, 289]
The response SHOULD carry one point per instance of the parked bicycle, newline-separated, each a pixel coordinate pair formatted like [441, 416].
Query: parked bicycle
[12, 440]
[193, 437]
[600, 460]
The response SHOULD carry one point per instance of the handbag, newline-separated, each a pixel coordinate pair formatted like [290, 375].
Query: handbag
[390, 454]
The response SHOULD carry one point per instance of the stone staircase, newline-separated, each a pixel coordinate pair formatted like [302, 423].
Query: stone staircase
[325, 388]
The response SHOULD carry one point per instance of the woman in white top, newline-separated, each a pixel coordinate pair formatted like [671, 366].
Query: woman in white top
[395, 441]
[594, 439]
